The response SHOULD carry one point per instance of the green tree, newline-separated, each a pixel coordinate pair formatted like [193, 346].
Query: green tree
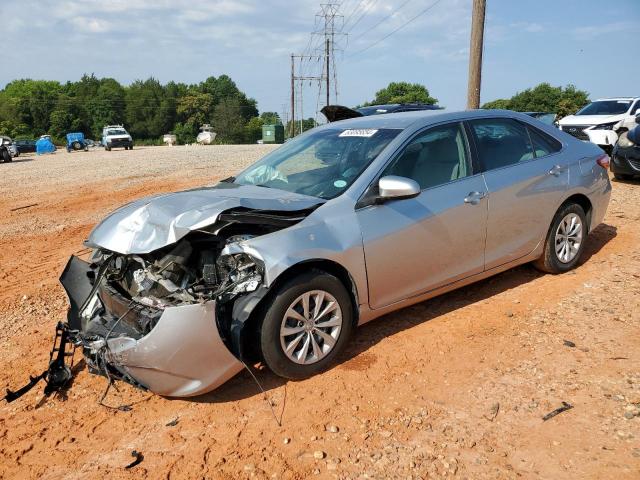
[228, 121]
[253, 130]
[270, 118]
[307, 124]
[106, 107]
[544, 98]
[403, 92]
[31, 102]
[14, 130]
[67, 116]
[499, 104]
[148, 113]
[147, 108]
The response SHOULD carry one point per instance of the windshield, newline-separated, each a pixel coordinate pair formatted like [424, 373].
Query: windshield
[606, 107]
[321, 164]
[117, 131]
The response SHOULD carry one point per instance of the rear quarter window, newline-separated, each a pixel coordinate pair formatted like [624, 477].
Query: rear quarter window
[543, 144]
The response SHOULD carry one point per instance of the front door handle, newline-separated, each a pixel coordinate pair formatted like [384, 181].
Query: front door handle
[556, 171]
[474, 197]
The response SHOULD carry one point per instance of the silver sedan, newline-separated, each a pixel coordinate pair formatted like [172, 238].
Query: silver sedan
[341, 225]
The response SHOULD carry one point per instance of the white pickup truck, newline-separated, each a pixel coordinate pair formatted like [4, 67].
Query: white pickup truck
[603, 120]
[114, 136]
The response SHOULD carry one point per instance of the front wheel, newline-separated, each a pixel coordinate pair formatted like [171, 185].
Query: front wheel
[5, 156]
[307, 325]
[565, 241]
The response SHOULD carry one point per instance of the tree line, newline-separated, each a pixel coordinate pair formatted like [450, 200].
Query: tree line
[148, 109]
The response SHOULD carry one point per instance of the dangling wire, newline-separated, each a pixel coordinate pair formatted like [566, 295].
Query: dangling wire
[264, 394]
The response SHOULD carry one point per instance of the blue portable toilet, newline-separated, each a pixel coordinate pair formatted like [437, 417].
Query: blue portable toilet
[45, 145]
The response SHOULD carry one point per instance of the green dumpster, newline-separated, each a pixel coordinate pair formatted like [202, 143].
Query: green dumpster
[273, 134]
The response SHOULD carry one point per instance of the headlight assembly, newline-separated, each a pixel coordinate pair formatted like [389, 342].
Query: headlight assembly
[606, 126]
[624, 142]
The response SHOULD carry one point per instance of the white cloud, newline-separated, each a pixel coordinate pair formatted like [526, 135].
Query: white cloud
[530, 27]
[590, 31]
[91, 25]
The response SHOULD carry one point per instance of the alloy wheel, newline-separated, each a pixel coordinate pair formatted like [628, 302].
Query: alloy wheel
[568, 238]
[311, 327]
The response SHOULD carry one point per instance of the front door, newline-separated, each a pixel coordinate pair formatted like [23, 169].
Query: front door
[415, 245]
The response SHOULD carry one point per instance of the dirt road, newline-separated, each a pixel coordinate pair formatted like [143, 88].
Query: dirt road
[454, 387]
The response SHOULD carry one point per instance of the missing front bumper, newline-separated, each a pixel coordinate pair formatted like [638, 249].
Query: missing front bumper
[183, 354]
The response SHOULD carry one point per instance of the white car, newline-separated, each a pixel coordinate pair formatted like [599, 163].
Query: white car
[600, 122]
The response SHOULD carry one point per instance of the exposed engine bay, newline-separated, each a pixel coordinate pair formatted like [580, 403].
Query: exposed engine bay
[132, 292]
[166, 320]
[193, 271]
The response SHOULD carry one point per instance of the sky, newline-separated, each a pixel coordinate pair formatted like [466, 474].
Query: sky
[588, 43]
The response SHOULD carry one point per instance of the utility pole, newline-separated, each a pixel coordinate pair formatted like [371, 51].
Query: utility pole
[329, 24]
[475, 53]
[292, 133]
[300, 79]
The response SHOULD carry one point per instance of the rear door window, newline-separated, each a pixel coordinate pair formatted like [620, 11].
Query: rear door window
[501, 142]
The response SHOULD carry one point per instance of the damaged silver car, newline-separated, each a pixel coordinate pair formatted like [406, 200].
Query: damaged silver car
[342, 224]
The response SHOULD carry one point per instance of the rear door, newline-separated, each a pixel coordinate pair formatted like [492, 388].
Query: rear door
[526, 179]
[418, 244]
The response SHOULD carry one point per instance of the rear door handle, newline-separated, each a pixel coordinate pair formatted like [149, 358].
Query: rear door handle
[556, 171]
[474, 197]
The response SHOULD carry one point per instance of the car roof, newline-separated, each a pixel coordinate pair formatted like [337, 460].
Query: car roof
[419, 118]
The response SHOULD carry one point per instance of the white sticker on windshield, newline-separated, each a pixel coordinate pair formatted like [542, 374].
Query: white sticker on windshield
[626, 102]
[339, 184]
[362, 132]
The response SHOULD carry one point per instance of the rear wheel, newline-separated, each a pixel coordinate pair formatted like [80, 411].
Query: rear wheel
[107, 148]
[306, 326]
[565, 241]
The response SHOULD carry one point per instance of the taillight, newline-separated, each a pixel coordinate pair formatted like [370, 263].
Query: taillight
[603, 161]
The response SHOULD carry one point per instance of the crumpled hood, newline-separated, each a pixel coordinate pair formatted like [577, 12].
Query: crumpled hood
[154, 222]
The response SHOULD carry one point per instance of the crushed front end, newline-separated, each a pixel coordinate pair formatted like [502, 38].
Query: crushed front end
[160, 320]
[166, 296]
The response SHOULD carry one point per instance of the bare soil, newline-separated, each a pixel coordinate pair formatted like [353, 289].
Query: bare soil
[453, 387]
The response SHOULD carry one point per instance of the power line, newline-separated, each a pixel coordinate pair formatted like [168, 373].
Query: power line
[381, 21]
[357, 7]
[397, 29]
[364, 13]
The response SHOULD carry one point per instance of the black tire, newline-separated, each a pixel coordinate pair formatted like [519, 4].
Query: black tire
[622, 176]
[5, 156]
[107, 148]
[76, 145]
[269, 332]
[549, 262]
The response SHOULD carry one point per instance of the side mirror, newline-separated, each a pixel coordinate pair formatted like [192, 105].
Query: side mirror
[394, 187]
[638, 118]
